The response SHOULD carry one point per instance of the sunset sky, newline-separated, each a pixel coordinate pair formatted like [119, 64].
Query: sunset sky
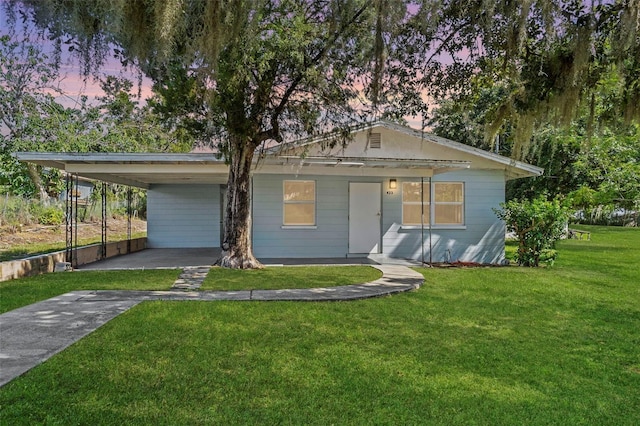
[73, 84]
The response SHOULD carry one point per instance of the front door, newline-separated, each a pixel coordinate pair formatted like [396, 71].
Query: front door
[364, 217]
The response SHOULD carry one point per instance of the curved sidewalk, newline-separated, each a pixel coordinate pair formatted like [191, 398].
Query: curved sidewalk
[32, 334]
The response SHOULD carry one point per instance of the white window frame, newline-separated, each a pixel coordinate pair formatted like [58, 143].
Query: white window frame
[311, 225]
[430, 206]
[436, 203]
[427, 205]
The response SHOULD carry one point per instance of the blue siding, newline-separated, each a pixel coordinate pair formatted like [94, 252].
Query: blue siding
[189, 216]
[330, 238]
[183, 216]
[481, 241]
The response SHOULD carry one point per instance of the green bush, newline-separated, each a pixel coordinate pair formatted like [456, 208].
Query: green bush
[51, 216]
[538, 224]
[46, 213]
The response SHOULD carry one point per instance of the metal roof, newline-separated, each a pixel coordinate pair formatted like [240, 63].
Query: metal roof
[143, 170]
[146, 169]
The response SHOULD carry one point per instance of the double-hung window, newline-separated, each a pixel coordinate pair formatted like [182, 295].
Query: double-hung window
[415, 202]
[442, 201]
[299, 203]
[448, 200]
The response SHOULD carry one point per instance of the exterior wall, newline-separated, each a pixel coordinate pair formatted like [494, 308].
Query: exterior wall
[329, 239]
[183, 216]
[189, 216]
[482, 240]
[398, 145]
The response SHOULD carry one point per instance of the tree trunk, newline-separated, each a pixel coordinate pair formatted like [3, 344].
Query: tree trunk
[236, 245]
[41, 192]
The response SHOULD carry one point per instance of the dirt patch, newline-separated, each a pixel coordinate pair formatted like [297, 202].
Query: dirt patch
[12, 237]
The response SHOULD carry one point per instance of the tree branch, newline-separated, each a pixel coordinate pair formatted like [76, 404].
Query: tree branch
[314, 61]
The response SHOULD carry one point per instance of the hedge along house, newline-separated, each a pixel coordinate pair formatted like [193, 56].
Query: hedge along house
[392, 192]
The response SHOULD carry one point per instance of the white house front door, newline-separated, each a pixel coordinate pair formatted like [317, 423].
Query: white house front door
[365, 212]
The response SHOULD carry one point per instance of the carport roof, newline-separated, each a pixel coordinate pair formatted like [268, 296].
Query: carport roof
[145, 169]
[134, 169]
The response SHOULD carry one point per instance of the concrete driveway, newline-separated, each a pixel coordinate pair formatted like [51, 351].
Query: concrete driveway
[157, 258]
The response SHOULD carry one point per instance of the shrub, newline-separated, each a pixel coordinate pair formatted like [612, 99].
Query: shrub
[46, 213]
[538, 224]
[51, 216]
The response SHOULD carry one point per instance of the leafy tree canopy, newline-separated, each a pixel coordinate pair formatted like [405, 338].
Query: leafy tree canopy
[538, 62]
[595, 160]
[32, 119]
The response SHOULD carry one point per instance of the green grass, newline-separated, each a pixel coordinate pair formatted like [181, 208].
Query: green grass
[25, 291]
[489, 346]
[276, 278]
[20, 251]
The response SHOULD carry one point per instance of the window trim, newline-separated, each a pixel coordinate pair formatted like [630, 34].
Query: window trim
[430, 207]
[448, 203]
[426, 204]
[313, 202]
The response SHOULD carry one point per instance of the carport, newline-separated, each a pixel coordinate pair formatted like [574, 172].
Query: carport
[141, 170]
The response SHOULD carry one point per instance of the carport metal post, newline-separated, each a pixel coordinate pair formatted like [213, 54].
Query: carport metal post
[71, 219]
[103, 245]
[75, 196]
[430, 227]
[422, 217]
[68, 218]
[129, 202]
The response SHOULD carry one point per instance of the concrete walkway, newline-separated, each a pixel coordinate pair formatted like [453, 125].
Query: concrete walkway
[32, 334]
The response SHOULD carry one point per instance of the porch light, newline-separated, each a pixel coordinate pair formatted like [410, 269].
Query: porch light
[393, 183]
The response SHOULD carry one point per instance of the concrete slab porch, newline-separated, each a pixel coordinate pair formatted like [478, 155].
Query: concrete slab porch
[171, 258]
[157, 258]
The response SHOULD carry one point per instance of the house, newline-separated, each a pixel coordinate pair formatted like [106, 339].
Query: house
[391, 192]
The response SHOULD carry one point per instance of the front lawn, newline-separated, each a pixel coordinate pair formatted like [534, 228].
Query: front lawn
[492, 346]
[276, 278]
[25, 291]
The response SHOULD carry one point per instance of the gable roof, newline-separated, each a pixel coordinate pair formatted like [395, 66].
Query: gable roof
[404, 152]
[417, 147]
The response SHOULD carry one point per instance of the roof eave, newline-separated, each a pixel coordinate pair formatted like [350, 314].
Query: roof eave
[521, 169]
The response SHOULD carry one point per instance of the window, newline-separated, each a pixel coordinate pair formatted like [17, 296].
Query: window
[299, 202]
[413, 199]
[449, 203]
[447, 207]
